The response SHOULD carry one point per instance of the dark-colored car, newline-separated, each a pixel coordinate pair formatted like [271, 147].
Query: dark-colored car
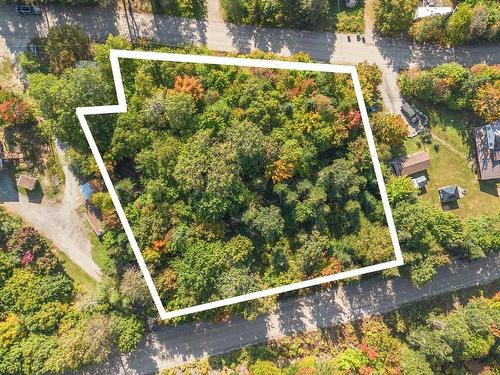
[26, 10]
[409, 113]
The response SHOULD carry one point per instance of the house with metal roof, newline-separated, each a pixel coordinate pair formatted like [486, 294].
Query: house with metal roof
[487, 140]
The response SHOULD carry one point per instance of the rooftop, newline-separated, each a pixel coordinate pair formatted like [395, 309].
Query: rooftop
[27, 182]
[429, 11]
[408, 165]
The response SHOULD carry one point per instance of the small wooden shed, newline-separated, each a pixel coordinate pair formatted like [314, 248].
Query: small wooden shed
[411, 164]
[27, 182]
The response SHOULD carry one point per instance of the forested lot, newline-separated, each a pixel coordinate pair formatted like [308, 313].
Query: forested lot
[234, 180]
[412, 341]
[253, 183]
[472, 21]
[46, 324]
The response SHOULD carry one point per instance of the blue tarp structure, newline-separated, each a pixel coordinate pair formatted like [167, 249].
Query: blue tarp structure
[86, 190]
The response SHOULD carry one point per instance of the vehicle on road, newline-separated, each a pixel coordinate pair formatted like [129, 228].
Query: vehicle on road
[26, 10]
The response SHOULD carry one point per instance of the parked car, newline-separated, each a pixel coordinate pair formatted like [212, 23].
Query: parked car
[26, 10]
[409, 113]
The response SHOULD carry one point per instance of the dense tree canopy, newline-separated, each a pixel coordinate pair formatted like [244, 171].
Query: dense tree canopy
[457, 87]
[213, 160]
[42, 330]
[394, 17]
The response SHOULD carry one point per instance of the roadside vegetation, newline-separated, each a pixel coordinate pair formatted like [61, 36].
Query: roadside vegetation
[472, 21]
[179, 8]
[407, 342]
[309, 15]
[457, 87]
[48, 324]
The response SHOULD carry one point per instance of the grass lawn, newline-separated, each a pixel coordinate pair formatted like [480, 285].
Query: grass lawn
[99, 255]
[76, 273]
[450, 163]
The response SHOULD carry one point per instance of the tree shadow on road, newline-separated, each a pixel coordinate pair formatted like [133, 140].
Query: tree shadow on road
[318, 45]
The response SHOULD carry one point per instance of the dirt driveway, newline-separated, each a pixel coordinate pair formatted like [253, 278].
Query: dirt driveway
[61, 222]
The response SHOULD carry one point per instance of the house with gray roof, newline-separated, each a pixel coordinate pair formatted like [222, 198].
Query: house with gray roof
[487, 140]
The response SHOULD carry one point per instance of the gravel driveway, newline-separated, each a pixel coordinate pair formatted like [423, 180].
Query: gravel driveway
[61, 222]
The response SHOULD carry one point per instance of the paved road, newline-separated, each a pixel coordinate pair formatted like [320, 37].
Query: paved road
[389, 54]
[171, 346]
[60, 222]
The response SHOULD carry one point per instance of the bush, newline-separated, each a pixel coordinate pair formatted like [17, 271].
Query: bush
[265, 368]
[394, 17]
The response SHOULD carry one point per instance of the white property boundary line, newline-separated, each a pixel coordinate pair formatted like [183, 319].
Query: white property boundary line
[274, 64]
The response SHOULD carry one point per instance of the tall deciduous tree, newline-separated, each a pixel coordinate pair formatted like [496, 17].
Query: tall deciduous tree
[393, 17]
[389, 128]
[66, 45]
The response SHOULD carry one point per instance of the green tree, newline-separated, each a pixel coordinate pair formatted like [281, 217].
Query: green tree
[312, 255]
[266, 221]
[66, 45]
[58, 99]
[458, 25]
[429, 29]
[36, 350]
[128, 331]
[179, 110]
[261, 367]
[393, 17]
[88, 342]
[401, 189]
[133, 288]
[389, 128]
[313, 12]
[340, 180]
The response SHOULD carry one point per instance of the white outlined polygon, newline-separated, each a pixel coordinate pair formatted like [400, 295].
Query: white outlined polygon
[243, 62]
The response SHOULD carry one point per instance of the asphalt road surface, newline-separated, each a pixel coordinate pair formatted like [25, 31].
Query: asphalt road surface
[390, 54]
[171, 346]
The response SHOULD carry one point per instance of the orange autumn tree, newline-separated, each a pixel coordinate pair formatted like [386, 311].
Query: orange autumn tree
[190, 85]
[282, 170]
[13, 111]
[389, 128]
[487, 101]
